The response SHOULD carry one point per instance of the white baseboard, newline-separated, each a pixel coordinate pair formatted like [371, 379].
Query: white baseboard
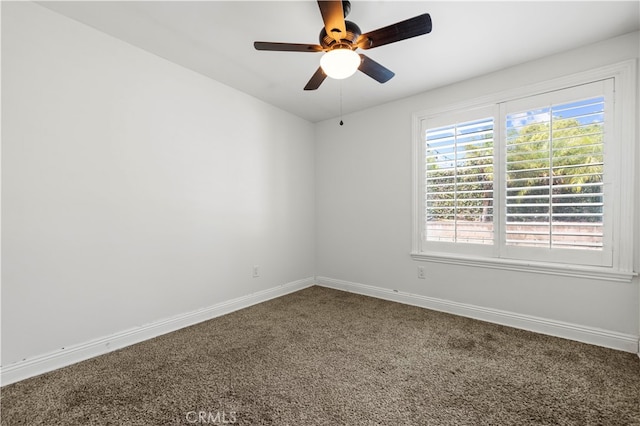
[580, 333]
[70, 355]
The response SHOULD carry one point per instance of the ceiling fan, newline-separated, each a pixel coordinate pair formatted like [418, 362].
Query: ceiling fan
[340, 38]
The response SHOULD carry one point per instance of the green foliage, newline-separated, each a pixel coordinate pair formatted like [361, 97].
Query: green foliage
[562, 164]
[466, 191]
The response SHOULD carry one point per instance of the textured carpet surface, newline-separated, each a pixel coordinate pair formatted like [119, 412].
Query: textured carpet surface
[325, 357]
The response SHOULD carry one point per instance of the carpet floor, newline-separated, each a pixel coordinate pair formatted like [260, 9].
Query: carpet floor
[326, 357]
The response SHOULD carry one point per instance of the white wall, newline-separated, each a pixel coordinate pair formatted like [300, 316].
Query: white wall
[133, 189]
[363, 196]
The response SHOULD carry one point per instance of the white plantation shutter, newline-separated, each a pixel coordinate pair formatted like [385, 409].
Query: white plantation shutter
[566, 186]
[459, 182]
[554, 196]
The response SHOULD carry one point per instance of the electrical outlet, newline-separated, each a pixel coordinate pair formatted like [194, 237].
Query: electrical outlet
[256, 271]
[421, 273]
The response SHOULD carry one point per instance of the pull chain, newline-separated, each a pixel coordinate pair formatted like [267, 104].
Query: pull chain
[341, 122]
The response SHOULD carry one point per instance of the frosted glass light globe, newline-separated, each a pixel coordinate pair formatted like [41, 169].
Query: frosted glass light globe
[340, 63]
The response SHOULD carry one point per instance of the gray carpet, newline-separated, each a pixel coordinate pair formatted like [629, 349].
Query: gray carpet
[325, 357]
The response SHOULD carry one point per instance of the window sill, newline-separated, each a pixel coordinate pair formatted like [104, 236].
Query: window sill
[575, 271]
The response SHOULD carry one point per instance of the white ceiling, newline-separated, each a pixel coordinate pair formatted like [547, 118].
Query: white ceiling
[215, 38]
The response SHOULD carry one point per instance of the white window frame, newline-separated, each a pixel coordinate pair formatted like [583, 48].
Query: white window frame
[622, 221]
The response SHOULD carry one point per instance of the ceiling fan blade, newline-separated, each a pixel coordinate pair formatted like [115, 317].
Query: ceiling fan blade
[403, 30]
[287, 47]
[375, 70]
[316, 80]
[333, 17]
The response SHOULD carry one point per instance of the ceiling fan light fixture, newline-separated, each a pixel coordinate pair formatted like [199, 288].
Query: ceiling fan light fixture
[340, 63]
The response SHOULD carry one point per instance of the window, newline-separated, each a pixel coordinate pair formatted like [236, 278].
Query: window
[529, 181]
[459, 182]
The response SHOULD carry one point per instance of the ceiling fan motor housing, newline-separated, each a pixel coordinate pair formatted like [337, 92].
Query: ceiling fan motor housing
[353, 32]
